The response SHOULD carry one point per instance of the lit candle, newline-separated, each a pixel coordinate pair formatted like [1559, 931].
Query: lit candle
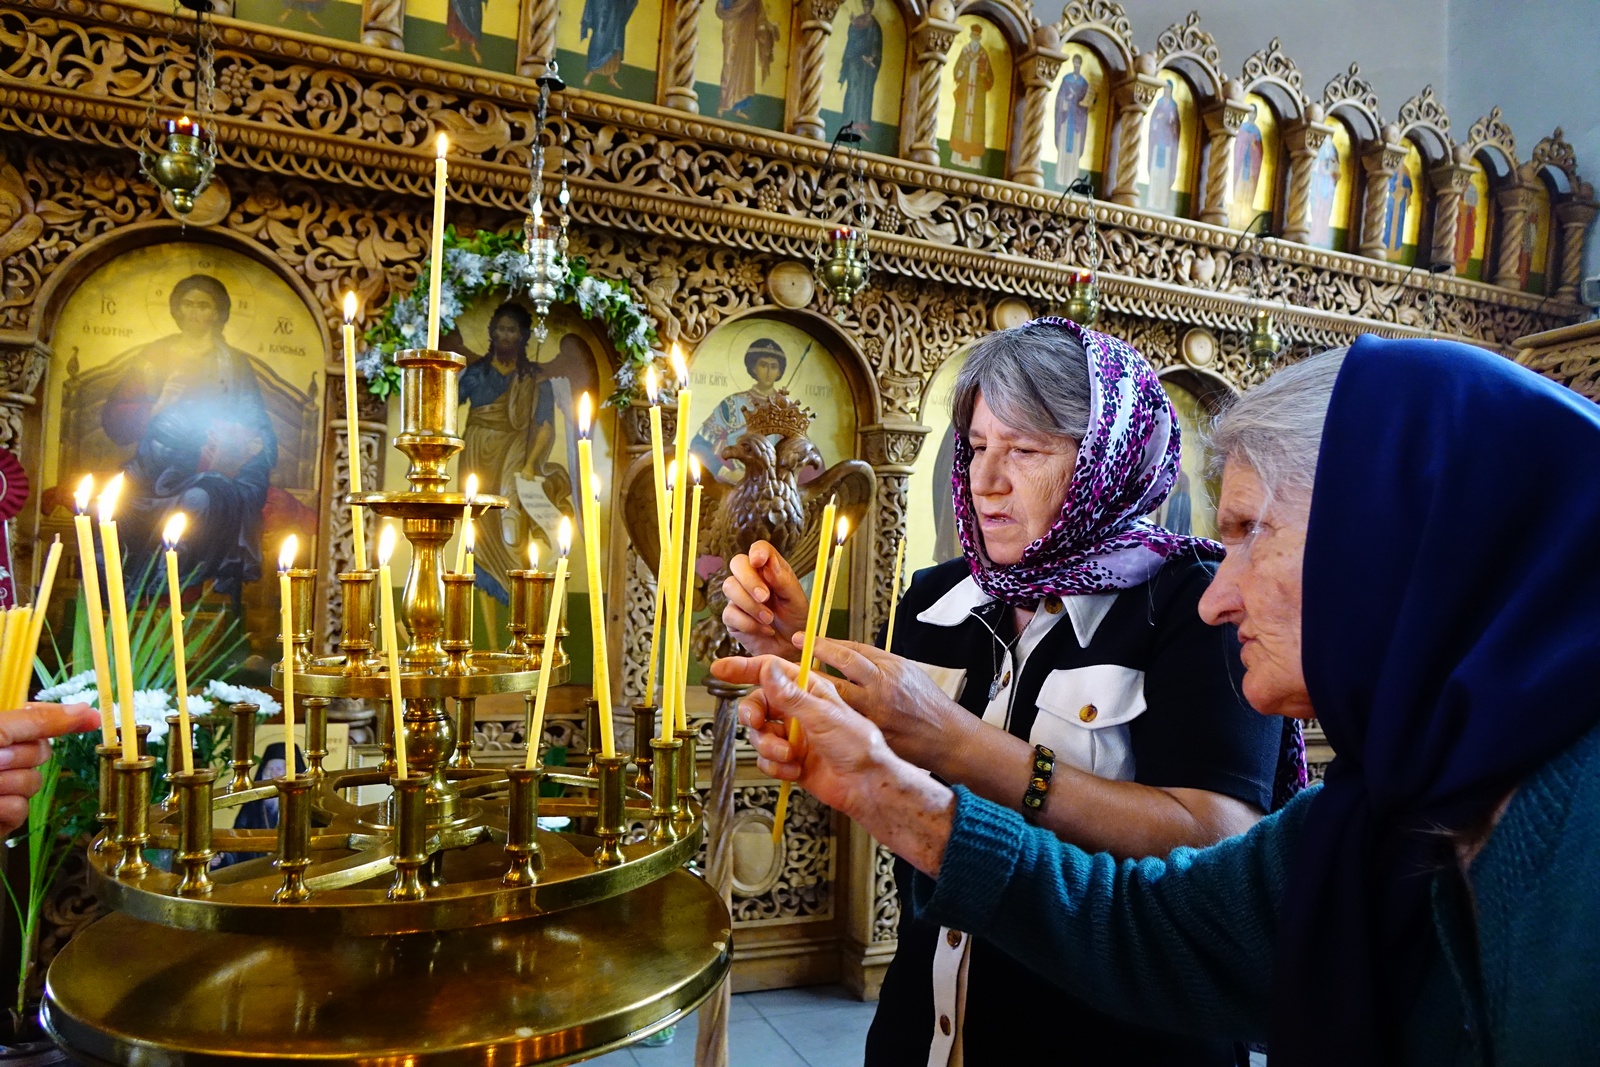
[464, 548]
[833, 576]
[819, 583]
[589, 495]
[894, 593]
[391, 646]
[690, 544]
[180, 664]
[467, 570]
[119, 617]
[286, 621]
[92, 607]
[666, 620]
[680, 494]
[35, 620]
[436, 252]
[658, 466]
[358, 527]
[552, 624]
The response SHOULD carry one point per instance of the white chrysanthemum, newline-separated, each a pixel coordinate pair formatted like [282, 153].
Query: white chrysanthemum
[73, 687]
[242, 694]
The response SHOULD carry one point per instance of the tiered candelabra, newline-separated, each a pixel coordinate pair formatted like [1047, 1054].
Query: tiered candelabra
[455, 853]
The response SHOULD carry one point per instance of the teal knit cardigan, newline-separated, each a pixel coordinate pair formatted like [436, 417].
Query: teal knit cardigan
[1186, 942]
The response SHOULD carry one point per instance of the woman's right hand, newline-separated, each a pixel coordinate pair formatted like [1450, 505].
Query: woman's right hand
[766, 605]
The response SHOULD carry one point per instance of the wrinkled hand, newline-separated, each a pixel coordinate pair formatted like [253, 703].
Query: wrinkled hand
[766, 605]
[919, 721]
[25, 745]
[839, 754]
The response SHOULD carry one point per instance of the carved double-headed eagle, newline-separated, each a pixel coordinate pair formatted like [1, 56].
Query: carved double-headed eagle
[768, 503]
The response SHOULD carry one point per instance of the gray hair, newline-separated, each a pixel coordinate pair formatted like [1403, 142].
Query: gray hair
[1276, 428]
[1034, 377]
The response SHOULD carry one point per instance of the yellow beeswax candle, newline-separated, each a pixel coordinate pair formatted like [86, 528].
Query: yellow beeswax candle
[667, 619]
[819, 591]
[588, 494]
[689, 547]
[286, 621]
[180, 664]
[115, 592]
[92, 607]
[436, 249]
[36, 613]
[391, 646]
[658, 468]
[358, 527]
[552, 624]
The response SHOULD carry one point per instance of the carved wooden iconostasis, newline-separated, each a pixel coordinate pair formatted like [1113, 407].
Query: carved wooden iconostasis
[695, 137]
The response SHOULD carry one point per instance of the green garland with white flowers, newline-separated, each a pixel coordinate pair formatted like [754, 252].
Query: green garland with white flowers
[484, 263]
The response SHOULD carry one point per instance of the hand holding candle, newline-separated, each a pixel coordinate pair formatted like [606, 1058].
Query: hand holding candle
[391, 646]
[92, 607]
[819, 593]
[352, 430]
[180, 665]
[558, 594]
[441, 173]
[286, 620]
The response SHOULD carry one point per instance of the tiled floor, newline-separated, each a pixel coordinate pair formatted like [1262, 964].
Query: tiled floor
[823, 1026]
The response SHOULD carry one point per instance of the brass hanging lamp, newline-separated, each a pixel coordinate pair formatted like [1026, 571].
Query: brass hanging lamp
[1083, 300]
[181, 164]
[545, 245]
[842, 262]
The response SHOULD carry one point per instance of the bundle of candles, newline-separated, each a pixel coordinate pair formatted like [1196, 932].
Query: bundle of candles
[20, 633]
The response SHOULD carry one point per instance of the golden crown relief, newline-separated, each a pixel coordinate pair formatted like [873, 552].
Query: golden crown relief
[778, 415]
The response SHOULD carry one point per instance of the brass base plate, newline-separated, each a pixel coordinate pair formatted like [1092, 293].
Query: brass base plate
[547, 991]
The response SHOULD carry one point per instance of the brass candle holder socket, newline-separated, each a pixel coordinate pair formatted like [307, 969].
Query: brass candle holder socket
[134, 778]
[466, 725]
[107, 755]
[410, 836]
[644, 728]
[522, 618]
[359, 589]
[664, 797]
[524, 857]
[302, 589]
[687, 769]
[457, 641]
[609, 825]
[540, 585]
[244, 746]
[143, 741]
[174, 764]
[591, 736]
[193, 790]
[294, 838]
[316, 735]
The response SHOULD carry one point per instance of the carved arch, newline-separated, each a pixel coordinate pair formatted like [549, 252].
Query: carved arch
[841, 344]
[1423, 120]
[1192, 52]
[1491, 141]
[1103, 26]
[1271, 74]
[1015, 19]
[1350, 96]
[1554, 161]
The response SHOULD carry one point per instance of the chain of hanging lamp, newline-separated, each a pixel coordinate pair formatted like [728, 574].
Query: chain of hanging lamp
[842, 260]
[179, 154]
[544, 245]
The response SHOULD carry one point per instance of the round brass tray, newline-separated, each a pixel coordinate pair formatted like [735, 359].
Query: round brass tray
[540, 991]
[352, 865]
[490, 673]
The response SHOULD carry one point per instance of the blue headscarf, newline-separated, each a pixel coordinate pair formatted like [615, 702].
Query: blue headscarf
[1451, 631]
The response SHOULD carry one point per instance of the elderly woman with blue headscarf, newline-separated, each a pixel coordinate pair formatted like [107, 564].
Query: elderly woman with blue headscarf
[1411, 560]
[1057, 667]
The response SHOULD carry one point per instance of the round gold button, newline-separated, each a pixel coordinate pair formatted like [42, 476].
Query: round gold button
[953, 937]
[1088, 713]
[944, 1025]
[1052, 604]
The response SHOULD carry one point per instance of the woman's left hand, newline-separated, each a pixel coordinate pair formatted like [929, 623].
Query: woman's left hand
[920, 722]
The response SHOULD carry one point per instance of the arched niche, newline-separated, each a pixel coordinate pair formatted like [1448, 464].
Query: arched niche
[934, 539]
[1197, 396]
[864, 71]
[742, 60]
[1169, 168]
[1334, 196]
[977, 89]
[1477, 216]
[610, 48]
[1192, 52]
[1260, 165]
[1079, 121]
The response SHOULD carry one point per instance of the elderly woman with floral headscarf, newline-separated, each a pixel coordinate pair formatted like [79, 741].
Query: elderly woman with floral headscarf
[1058, 668]
[1410, 558]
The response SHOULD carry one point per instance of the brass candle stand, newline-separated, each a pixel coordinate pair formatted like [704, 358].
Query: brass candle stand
[456, 848]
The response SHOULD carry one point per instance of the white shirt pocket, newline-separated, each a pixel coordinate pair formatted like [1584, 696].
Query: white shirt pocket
[1084, 714]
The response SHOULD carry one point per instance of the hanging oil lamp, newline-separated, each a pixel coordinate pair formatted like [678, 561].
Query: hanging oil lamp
[1264, 343]
[183, 163]
[843, 261]
[545, 251]
[1083, 303]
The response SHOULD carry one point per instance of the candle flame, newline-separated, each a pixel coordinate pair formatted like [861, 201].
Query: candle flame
[291, 546]
[174, 529]
[679, 367]
[442, 144]
[84, 494]
[533, 554]
[844, 529]
[108, 498]
[386, 544]
[349, 307]
[672, 473]
[594, 485]
[471, 535]
[564, 535]
[652, 386]
[585, 414]
[694, 469]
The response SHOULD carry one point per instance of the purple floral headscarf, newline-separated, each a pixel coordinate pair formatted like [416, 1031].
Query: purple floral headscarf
[1127, 464]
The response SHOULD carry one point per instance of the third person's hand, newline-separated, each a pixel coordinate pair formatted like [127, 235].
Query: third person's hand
[766, 604]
